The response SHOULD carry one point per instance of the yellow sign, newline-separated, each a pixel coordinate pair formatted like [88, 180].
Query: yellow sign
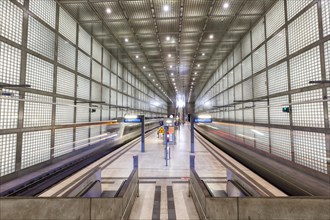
[161, 130]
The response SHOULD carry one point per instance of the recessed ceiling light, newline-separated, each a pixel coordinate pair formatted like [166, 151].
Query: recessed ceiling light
[137, 56]
[144, 67]
[149, 74]
[226, 5]
[193, 78]
[172, 74]
[173, 79]
[203, 54]
[171, 66]
[108, 10]
[174, 84]
[192, 83]
[173, 41]
[195, 73]
[126, 40]
[166, 8]
[157, 84]
[211, 36]
[169, 55]
[198, 65]
[153, 80]
[168, 38]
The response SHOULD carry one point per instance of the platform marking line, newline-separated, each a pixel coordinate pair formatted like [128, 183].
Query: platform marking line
[156, 207]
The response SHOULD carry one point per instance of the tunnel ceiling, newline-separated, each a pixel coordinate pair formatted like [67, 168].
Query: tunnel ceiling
[189, 38]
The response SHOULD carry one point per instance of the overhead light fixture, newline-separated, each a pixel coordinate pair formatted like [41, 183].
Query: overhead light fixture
[193, 78]
[171, 66]
[174, 83]
[166, 8]
[137, 56]
[144, 67]
[172, 74]
[126, 40]
[169, 55]
[192, 83]
[173, 79]
[153, 80]
[211, 36]
[108, 10]
[226, 5]
[198, 65]
[149, 74]
[203, 54]
[156, 84]
[168, 38]
[195, 73]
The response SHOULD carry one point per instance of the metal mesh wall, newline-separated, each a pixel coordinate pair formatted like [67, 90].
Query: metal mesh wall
[274, 63]
[43, 46]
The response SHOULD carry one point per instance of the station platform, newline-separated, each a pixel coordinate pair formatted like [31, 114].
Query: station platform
[163, 190]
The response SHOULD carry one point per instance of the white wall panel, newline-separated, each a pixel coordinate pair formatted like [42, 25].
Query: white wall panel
[276, 48]
[67, 26]
[275, 18]
[294, 7]
[66, 54]
[45, 10]
[84, 41]
[7, 154]
[278, 79]
[65, 84]
[83, 88]
[326, 17]
[84, 64]
[64, 111]
[63, 141]
[37, 113]
[259, 59]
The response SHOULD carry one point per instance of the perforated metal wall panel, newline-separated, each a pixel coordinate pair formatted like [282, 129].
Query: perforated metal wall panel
[96, 71]
[262, 138]
[83, 88]
[280, 140]
[96, 92]
[304, 68]
[10, 60]
[11, 18]
[261, 112]
[82, 113]
[67, 26]
[8, 111]
[278, 79]
[45, 10]
[82, 137]
[247, 67]
[7, 154]
[327, 59]
[326, 17]
[276, 115]
[309, 115]
[84, 64]
[309, 148]
[97, 51]
[63, 141]
[40, 38]
[106, 59]
[31, 154]
[38, 113]
[304, 30]
[238, 73]
[66, 53]
[258, 34]
[294, 7]
[275, 18]
[259, 59]
[260, 85]
[246, 45]
[84, 40]
[65, 82]
[106, 77]
[276, 47]
[39, 73]
[64, 111]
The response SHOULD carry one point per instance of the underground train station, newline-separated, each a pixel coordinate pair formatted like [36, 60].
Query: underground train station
[164, 109]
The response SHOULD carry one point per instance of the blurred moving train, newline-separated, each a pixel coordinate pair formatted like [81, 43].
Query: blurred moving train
[124, 132]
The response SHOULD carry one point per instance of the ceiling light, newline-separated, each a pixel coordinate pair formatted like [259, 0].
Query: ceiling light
[172, 74]
[144, 67]
[156, 84]
[226, 5]
[137, 56]
[195, 73]
[153, 80]
[173, 79]
[173, 41]
[166, 8]
[168, 38]
[108, 10]
[198, 65]
[126, 40]
[193, 78]
[149, 74]
[211, 36]
[171, 66]
[174, 84]
[169, 55]
[203, 54]
[192, 83]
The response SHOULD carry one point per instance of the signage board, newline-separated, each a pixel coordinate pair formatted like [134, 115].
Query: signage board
[203, 120]
[132, 120]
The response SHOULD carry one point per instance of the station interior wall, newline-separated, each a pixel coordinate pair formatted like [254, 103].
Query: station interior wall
[270, 68]
[43, 46]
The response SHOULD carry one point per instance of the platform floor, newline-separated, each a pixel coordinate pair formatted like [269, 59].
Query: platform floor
[164, 189]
